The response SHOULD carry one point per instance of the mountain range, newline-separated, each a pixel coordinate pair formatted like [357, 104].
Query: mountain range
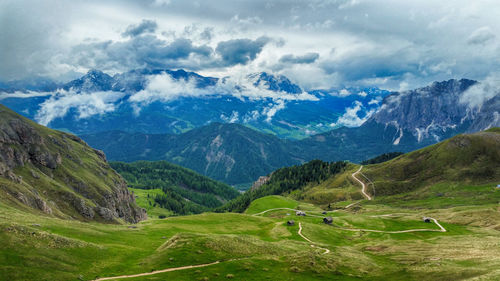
[235, 129]
[168, 101]
[406, 121]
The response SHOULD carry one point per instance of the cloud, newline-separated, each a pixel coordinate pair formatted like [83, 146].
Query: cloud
[146, 26]
[304, 59]
[231, 119]
[272, 109]
[351, 117]
[382, 43]
[140, 51]
[85, 104]
[164, 88]
[240, 51]
[23, 95]
[476, 95]
[481, 36]
[342, 93]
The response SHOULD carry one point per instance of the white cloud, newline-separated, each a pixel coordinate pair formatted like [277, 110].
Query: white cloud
[272, 109]
[85, 104]
[351, 116]
[477, 94]
[235, 117]
[164, 88]
[27, 94]
[362, 94]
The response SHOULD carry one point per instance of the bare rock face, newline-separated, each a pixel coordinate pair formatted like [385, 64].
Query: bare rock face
[261, 181]
[92, 189]
[436, 112]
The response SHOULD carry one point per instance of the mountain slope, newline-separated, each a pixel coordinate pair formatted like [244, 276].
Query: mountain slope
[466, 158]
[444, 173]
[182, 191]
[227, 152]
[407, 121]
[59, 174]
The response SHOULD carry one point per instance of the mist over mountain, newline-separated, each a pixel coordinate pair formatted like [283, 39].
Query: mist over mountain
[405, 121]
[174, 101]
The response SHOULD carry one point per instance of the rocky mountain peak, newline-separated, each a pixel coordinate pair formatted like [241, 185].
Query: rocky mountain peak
[278, 83]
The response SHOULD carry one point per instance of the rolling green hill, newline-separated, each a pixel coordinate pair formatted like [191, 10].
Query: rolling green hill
[55, 173]
[172, 187]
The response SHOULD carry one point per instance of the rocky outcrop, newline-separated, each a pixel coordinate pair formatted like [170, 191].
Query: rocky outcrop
[57, 173]
[259, 182]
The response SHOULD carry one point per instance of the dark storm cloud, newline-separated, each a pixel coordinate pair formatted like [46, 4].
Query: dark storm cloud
[143, 27]
[140, 51]
[425, 40]
[304, 59]
[240, 51]
[150, 51]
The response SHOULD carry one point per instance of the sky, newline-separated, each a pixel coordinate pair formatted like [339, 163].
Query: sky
[391, 44]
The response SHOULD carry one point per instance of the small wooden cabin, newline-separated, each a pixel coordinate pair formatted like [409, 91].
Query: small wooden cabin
[328, 220]
[300, 213]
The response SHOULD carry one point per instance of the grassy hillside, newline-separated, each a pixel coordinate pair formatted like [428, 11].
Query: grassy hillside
[51, 172]
[464, 159]
[287, 180]
[182, 191]
[464, 167]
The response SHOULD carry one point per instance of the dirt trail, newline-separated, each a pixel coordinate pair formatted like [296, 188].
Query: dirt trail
[308, 214]
[352, 204]
[363, 189]
[157, 271]
[309, 240]
[441, 228]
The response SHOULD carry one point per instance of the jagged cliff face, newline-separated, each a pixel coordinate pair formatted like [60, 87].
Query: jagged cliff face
[59, 174]
[436, 112]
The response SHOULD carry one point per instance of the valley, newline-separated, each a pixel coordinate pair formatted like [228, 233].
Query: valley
[432, 213]
[252, 247]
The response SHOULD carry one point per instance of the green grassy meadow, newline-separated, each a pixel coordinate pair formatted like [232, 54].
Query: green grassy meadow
[145, 199]
[262, 247]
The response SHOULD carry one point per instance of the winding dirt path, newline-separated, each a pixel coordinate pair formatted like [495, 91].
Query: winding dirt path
[157, 271]
[309, 240]
[363, 189]
[308, 214]
[441, 228]
[352, 204]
